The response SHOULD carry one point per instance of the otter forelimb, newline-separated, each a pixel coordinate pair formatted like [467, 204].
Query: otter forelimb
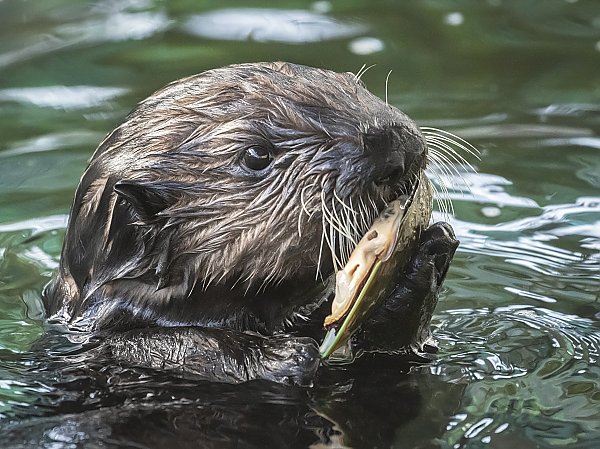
[221, 355]
[227, 355]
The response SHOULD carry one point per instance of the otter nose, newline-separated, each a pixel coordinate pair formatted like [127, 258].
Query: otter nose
[393, 152]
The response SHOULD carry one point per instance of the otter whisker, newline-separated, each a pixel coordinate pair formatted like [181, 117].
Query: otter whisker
[320, 251]
[374, 207]
[373, 212]
[347, 229]
[360, 71]
[303, 210]
[350, 218]
[304, 207]
[342, 203]
[357, 225]
[330, 234]
[441, 204]
[443, 161]
[387, 79]
[339, 235]
[451, 153]
[443, 197]
[299, 226]
[346, 243]
[441, 172]
[364, 215]
[370, 212]
[445, 144]
[351, 223]
[303, 201]
[440, 163]
[356, 218]
[453, 138]
[371, 208]
[444, 152]
[334, 227]
[337, 223]
[441, 148]
[364, 69]
[337, 263]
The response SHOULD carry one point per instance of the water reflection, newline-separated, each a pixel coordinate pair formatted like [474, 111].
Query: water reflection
[73, 27]
[104, 404]
[516, 362]
[269, 25]
[518, 324]
[63, 97]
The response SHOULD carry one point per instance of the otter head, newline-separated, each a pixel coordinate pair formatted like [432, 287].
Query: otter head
[242, 176]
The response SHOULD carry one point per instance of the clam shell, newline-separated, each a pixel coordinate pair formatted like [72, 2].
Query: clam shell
[375, 263]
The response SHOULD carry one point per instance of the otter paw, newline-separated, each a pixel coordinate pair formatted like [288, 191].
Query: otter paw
[436, 249]
[289, 360]
[401, 322]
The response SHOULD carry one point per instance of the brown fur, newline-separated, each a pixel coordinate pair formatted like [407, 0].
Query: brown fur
[166, 212]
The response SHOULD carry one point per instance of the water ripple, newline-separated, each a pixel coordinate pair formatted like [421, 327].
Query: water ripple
[557, 244]
[105, 22]
[522, 367]
[36, 225]
[52, 142]
[63, 97]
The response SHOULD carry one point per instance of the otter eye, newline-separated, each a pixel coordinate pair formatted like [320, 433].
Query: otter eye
[257, 158]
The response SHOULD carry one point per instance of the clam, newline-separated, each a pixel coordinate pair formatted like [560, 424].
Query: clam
[381, 254]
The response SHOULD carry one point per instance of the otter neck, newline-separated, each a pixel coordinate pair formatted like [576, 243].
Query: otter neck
[267, 311]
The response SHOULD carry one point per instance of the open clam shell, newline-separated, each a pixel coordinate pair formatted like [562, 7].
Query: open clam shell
[377, 260]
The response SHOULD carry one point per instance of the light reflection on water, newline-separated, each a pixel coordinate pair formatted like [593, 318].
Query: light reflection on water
[62, 97]
[529, 363]
[269, 25]
[518, 324]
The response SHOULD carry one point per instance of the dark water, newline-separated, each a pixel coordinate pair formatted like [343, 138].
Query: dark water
[519, 321]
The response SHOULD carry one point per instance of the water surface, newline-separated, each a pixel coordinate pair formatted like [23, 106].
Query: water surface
[519, 320]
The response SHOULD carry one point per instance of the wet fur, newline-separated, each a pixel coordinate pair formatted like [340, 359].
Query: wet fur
[168, 228]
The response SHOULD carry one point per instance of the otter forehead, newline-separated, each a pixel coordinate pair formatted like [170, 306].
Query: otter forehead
[274, 91]
[289, 105]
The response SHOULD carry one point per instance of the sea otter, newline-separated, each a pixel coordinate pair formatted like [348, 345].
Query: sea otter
[205, 230]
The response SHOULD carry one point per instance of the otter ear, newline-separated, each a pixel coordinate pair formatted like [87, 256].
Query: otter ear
[146, 199]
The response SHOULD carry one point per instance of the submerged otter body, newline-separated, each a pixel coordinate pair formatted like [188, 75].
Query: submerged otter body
[226, 200]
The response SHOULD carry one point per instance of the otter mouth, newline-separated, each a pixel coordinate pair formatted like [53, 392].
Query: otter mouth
[382, 252]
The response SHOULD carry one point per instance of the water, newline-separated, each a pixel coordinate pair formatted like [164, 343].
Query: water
[519, 320]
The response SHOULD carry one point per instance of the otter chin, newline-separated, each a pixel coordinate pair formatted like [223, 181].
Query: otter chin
[226, 200]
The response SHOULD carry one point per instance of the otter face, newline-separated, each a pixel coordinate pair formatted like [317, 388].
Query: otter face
[247, 175]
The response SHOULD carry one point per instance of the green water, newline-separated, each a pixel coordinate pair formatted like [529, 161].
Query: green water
[519, 321]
